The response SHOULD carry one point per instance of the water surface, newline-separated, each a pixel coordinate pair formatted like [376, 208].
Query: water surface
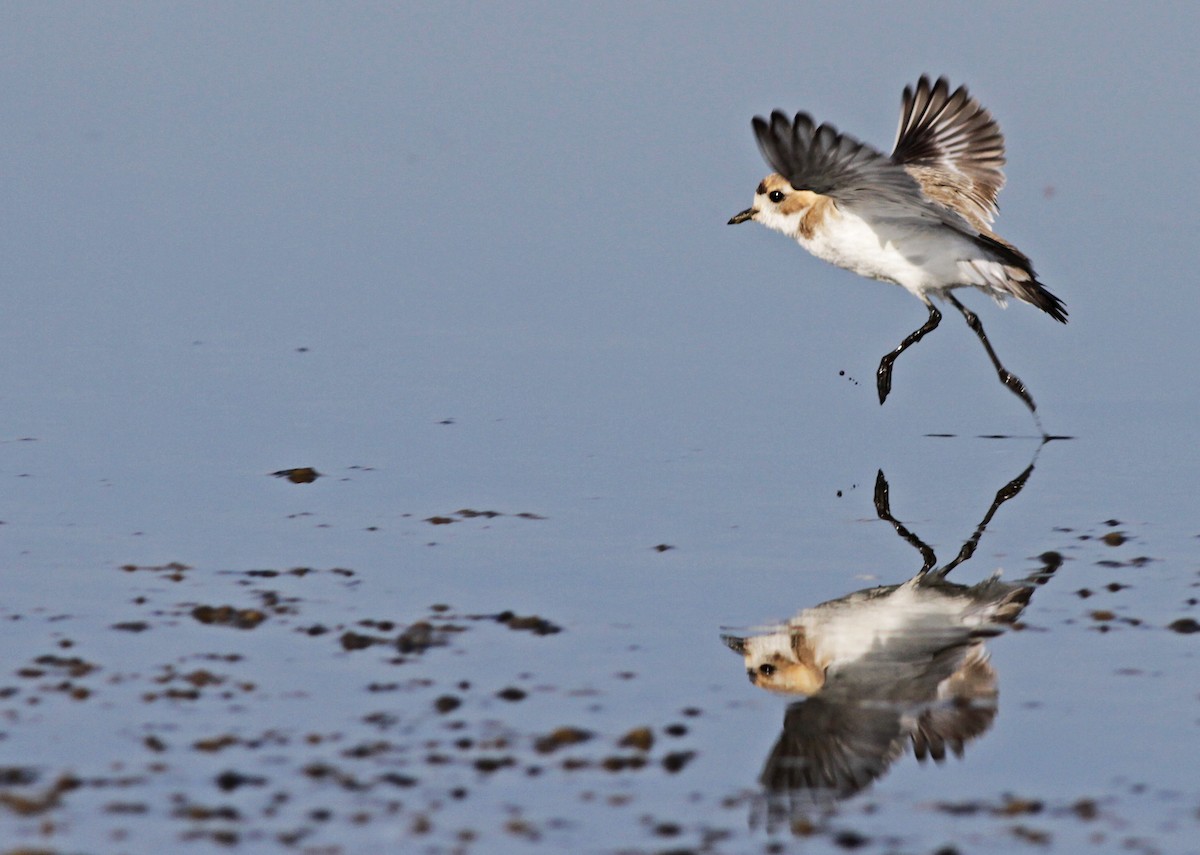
[471, 266]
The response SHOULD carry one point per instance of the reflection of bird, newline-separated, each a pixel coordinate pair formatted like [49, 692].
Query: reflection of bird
[919, 219]
[882, 667]
[891, 632]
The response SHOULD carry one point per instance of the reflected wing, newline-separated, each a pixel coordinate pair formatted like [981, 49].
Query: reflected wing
[835, 744]
[832, 750]
[953, 147]
[965, 710]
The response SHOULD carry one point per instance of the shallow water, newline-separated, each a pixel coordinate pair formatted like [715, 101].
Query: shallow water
[569, 430]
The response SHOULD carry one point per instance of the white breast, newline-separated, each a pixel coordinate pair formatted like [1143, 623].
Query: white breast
[847, 631]
[905, 251]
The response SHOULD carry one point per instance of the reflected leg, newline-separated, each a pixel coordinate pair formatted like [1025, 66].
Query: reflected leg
[1012, 381]
[883, 376]
[883, 508]
[1005, 493]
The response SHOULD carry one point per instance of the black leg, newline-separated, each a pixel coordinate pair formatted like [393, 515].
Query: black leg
[1005, 493]
[1012, 381]
[883, 509]
[883, 376]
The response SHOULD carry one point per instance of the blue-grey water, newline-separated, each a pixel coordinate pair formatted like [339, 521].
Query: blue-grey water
[471, 264]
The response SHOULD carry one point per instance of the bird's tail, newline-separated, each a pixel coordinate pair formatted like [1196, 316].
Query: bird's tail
[1036, 294]
[1018, 277]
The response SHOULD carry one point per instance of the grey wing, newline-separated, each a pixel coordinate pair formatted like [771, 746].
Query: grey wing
[964, 710]
[832, 750]
[818, 158]
[953, 147]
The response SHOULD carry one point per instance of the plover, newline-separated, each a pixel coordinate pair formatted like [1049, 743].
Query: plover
[919, 219]
[886, 668]
[881, 670]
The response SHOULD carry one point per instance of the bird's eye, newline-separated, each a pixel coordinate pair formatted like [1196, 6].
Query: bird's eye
[767, 670]
[775, 196]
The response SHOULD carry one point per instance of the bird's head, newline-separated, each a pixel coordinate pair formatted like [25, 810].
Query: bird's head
[772, 662]
[779, 206]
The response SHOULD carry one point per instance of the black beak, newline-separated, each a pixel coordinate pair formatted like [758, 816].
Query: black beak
[742, 217]
[737, 645]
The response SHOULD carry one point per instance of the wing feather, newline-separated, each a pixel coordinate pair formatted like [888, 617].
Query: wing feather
[819, 158]
[953, 148]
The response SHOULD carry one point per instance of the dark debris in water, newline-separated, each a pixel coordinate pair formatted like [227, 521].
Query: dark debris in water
[469, 514]
[247, 618]
[1051, 561]
[300, 475]
[17, 776]
[472, 514]
[641, 738]
[528, 623]
[421, 737]
[230, 780]
[421, 635]
[561, 737]
[1009, 805]
[351, 640]
[284, 782]
[173, 571]
[37, 802]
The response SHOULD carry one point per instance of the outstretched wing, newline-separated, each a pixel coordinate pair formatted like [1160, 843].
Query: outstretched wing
[830, 751]
[819, 158]
[953, 148]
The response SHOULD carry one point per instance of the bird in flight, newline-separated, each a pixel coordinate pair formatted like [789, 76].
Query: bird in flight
[920, 218]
